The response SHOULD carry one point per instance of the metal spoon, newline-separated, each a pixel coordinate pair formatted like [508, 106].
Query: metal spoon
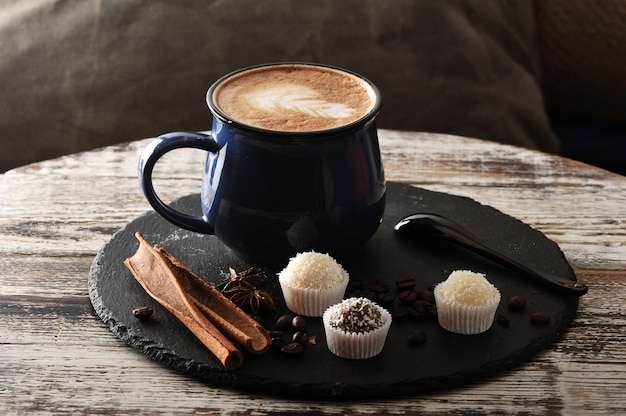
[436, 225]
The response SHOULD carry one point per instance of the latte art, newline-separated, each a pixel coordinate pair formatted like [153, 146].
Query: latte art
[283, 99]
[294, 97]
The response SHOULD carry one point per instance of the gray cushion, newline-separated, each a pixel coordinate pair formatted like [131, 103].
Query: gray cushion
[78, 75]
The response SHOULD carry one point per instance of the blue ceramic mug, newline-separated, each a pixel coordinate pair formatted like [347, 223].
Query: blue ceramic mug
[293, 163]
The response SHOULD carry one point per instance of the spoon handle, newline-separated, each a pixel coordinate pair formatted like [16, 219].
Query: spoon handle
[438, 225]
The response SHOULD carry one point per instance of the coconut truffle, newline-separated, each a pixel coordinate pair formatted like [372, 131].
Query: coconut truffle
[312, 282]
[466, 302]
[356, 328]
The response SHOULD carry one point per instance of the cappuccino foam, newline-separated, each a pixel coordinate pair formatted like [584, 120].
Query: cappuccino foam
[294, 98]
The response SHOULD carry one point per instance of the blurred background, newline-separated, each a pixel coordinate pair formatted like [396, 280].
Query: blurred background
[546, 75]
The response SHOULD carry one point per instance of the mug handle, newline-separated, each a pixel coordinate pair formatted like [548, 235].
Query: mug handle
[151, 154]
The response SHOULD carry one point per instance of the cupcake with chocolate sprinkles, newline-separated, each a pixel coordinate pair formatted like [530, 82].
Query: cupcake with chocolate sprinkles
[356, 328]
[312, 282]
[466, 302]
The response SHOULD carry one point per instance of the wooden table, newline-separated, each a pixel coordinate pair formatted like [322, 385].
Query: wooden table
[57, 357]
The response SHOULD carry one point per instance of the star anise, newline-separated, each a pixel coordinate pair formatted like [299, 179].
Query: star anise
[243, 289]
[250, 299]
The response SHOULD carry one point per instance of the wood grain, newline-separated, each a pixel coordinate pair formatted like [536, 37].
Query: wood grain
[57, 357]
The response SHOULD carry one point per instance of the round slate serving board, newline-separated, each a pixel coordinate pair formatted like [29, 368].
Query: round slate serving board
[444, 360]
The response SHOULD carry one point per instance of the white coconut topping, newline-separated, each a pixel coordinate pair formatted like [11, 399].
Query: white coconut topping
[313, 270]
[467, 288]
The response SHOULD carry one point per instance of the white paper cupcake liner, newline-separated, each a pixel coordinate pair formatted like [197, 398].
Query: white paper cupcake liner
[463, 319]
[356, 346]
[312, 302]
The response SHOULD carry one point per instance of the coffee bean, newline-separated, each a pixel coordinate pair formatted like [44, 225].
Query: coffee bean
[517, 303]
[426, 295]
[407, 296]
[405, 284]
[300, 337]
[422, 309]
[385, 298]
[401, 313]
[502, 320]
[298, 323]
[284, 322]
[416, 338]
[278, 343]
[143, 312]
[539, 318]
[420, 306]
[275, 334]
[292, 348]
[431, 310]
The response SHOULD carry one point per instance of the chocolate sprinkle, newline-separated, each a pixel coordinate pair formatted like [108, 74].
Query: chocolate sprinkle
[356, 315]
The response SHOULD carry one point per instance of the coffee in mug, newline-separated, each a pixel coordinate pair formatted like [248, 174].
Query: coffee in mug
[294, 98]
[293, 163]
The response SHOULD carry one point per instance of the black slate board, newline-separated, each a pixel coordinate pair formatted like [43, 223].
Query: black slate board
[445, 360]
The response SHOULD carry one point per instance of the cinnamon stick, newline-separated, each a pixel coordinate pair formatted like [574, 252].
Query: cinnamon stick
[153, 272]
[237, 325]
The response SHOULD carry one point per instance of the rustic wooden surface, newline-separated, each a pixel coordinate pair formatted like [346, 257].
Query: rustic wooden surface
[57, 357]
